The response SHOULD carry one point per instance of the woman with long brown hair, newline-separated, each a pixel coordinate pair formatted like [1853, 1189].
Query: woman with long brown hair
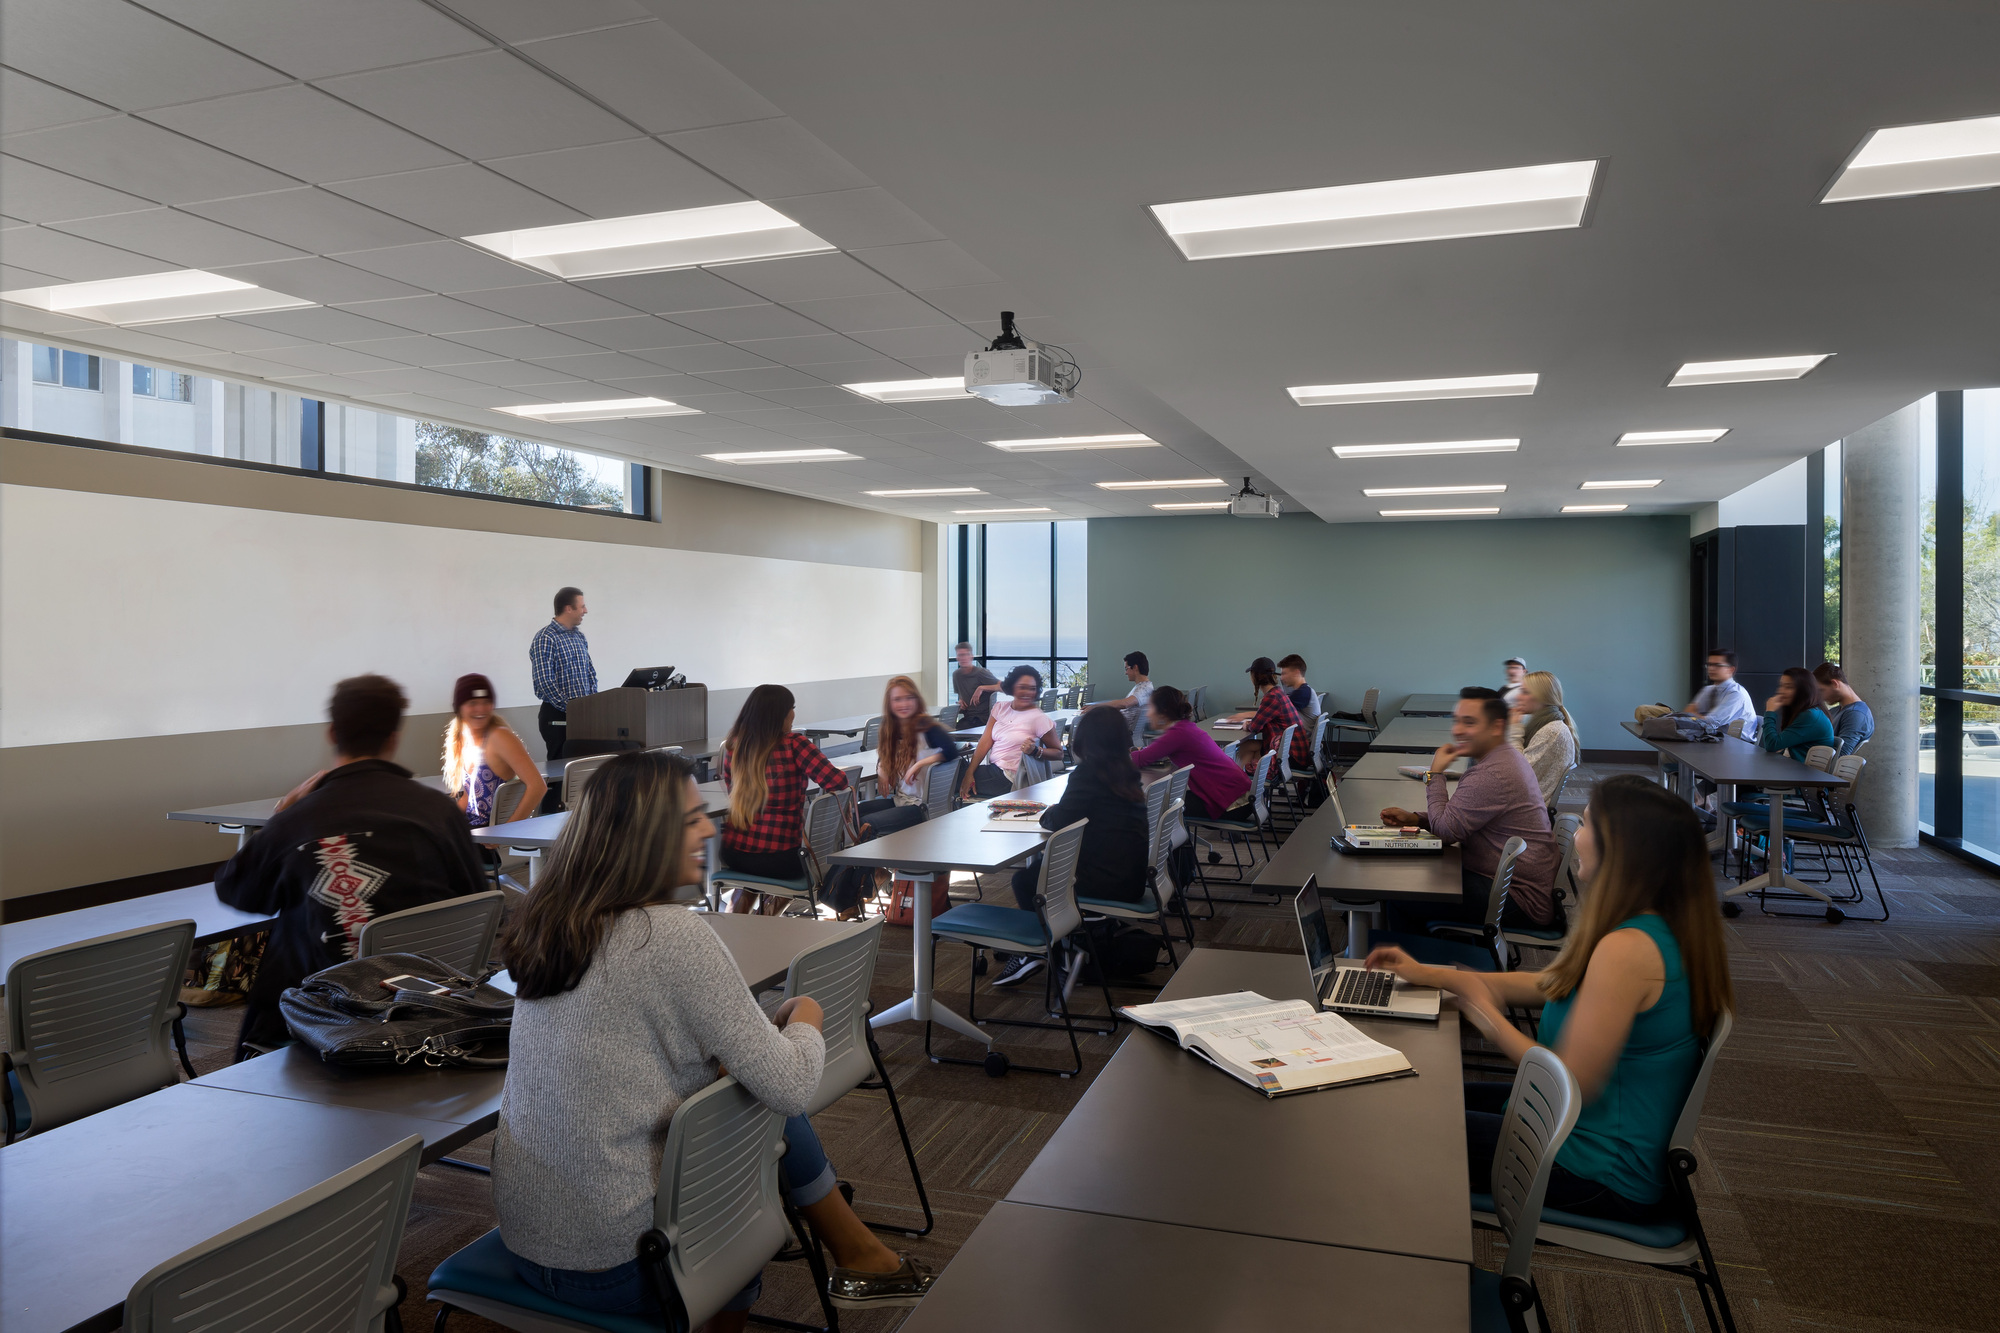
[1628, 1002]
[766, 765]
[911, 744]
[1793, 720]
[481, 751]
[626, 1005]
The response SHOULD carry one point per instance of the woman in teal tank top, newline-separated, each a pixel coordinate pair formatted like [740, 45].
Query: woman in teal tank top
[1626, 1005]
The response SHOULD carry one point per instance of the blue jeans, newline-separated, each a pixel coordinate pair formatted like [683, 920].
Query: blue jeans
[807, 1178]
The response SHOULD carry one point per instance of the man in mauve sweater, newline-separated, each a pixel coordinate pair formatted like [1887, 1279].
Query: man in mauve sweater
[1497, 799]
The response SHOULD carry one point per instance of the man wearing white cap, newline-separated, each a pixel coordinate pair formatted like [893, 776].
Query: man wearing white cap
[1517, 671]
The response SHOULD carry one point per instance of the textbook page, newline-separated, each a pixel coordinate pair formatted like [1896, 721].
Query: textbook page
[1286, 1047]
[1177, 1016]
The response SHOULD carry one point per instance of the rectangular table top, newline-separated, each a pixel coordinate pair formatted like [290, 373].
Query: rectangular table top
[1429, 705]
[1382, 877]
[957, 841]
[1163, 1136]
[1740, 762]
[1414, 734]
[543, 830]
[213, 920]
[1058, 1271]
[843, 726]
[1388, 766]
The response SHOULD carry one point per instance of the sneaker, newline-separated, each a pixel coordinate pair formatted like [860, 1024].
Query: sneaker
[1019, 970]
[852, 1289]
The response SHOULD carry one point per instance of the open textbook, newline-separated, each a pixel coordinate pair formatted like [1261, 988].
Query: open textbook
[1276, 1046]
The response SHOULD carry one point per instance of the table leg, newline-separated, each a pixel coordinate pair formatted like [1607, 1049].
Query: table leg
[919, 1008]
[1775, 878]
[1360, 920]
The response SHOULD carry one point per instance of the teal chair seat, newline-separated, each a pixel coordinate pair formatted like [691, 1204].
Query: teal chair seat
[1010, 926]
[21, 1115]
[1145, 903]
[1549, 933]
[1658, 1236]
[1434, 951]
[726, 876]
[482, 1269]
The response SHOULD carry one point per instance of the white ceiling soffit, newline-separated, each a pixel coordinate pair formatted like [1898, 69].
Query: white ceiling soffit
[1039, 146]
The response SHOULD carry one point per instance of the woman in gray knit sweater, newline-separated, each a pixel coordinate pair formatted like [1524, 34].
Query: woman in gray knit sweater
[627, 1005]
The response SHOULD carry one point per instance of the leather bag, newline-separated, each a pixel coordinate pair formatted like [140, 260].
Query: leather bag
[348, 1017]
[1680, 727]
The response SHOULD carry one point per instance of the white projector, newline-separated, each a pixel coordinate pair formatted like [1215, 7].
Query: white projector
[1014, 377]
[1252, 503]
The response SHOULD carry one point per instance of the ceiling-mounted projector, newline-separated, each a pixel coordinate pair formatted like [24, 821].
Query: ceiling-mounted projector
[1014, 372]
[1252, 503]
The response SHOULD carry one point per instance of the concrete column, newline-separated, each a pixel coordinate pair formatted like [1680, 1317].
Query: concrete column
[210, 416]
[1881, 537]
[17, 369]
[114, 379]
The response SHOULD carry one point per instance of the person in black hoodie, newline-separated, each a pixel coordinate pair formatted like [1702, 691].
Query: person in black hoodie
[1104, 788]
[352, 842]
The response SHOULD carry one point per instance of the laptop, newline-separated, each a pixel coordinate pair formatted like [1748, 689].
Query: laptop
[649, 678]
[1345, 985]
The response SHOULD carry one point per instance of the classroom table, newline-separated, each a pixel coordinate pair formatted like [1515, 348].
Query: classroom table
[838, 726]
[213, 920]
[1057, 715]
[1162, 1136]
[1388, 766]
[1413, 735]
[1360, 884]
[1429, 705]
[1732, 762]
[1055, 1270]
[241, 817]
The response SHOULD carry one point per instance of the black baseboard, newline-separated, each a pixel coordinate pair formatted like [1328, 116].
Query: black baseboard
[109, 891]
[1620, 756]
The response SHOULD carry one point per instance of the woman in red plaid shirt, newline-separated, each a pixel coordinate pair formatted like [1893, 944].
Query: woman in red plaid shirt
[766, 765]
[1275, 712]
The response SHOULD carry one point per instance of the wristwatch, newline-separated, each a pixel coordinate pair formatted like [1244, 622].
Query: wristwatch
[1428, 775]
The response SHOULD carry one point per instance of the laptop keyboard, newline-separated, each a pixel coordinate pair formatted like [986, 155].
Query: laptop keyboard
[1363, 988]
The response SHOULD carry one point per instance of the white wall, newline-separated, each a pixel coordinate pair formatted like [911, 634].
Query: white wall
[1778, 499]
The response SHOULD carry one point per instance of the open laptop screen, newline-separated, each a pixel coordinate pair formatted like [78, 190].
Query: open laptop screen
[1314, 936]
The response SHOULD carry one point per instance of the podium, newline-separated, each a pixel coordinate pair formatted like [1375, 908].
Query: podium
[629, 719]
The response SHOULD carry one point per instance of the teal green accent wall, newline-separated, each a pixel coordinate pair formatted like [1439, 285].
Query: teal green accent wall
[1410, 608]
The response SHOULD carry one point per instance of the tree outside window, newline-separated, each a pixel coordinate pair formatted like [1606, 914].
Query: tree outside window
[469, 460]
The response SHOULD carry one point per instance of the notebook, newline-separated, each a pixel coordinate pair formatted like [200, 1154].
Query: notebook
[1006, 815]
[1275, 1046]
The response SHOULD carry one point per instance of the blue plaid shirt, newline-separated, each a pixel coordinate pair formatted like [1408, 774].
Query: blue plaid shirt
[561, 660]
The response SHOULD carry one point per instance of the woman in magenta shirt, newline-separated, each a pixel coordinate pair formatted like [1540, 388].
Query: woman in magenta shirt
[1218, 782]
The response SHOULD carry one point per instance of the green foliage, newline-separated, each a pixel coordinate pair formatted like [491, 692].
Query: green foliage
[1831, 635]
[470, 460]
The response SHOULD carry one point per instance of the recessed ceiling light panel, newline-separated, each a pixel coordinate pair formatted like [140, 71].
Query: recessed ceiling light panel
[1635, 485]
[1426, 208]
[1195, 504]
[1389, 492]
[1436, 513]
[1414, 391]
[604, 409]
[912, 391]
[930, 490]
[786, 456]
[1042, 510]
[1057, 444]
[1947, 156]
[1694, 435]
[155, 298]
[1180, 483]
[1744, 372]
[1420, 450]
[653, 242]
[1593, 509]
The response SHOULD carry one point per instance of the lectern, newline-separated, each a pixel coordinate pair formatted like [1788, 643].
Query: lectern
[639, 719]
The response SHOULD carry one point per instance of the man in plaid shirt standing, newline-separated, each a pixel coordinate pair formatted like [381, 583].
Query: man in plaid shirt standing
[560, 656]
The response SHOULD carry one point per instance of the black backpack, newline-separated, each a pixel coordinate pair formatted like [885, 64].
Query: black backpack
[1120, 953]
[434, 1016]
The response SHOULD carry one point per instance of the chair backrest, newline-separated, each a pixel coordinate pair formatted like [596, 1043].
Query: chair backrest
[838, 974]
[1260, 782]
[1199, 702]
[1321, 764]
[825, 816]
[718, 1199]
[1566, 878]
[1157, 794]
[1841, 799]
[324, 1259]
[947, 717]
[1496, 898]
[577, 772]
[1284, 752]
[1369, 702]
[1562, 785]
[1051, 698]
[1138, 727]
[458, 932]
[940, 781]
[1820, 757]
[1177, 801]
[1162, 847]
[89, 1024]
[1540, 1114]
[871, 735]
[1057, 885]
[1689, 1123]
[506, 799]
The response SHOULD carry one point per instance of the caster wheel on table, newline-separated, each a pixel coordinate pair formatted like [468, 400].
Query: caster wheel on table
[1215, 858]
[996, 1064]
[979, 966]
[1731, 909]
[1835, 916]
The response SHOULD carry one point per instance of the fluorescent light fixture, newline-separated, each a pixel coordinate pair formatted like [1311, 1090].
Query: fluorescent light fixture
[1435, 513]
[1425, 208]
[787, 456]
[1173, 484]
[1921, 159]
[1058, 444]
[154, 298]
[1744, 372]
[1388, 492]
[912, 391]
[1635, 485]
[1699, 435]
[931, 490]
[1593, 509]
[1415, 450]
[651, 242]
[604, 409]
[1414, 391]
[1043, 510]
[1196, 504]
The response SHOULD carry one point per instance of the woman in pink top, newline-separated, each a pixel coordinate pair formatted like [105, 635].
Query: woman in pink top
[1218, 782]
[1017, 728]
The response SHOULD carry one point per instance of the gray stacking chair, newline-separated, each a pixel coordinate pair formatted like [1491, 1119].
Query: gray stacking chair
[1240, 830]
[1480, 948]
[458, 932]
[871, 735]
[837, 974]
[947, 717]
[576, 772]
[88, 1025]
[506, 800]
[1540, 1114]
[1677, 1246]
[1159, 897]
[718, 1218]
[940, 784]
[1840, 834]
[825, 823]
[1568, 898]
[1198, 700]
[322, 1260]
[1369, 724]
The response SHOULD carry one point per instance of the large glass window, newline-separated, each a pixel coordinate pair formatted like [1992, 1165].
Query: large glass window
[1017, 595]
[1830, 540]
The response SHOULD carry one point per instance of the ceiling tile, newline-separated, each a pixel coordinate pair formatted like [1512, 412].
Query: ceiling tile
[316, 279]
[744, 322]
[923, 340]
[630, 333]
[179, 238]
[526, 20]
[659, 384]
[321, 324]
[311, 219]
[445, 266]
[123, 55]
[72, 258]
[980, 304]
[852, 219]
[515, 374]
[431, 314]
[405, 379]
[451, 389]
[525, 341]
[702, 358]
[806, 278]
[863, 314]
[810, 399]
[144, 159]
[421, 350]
[329, 360]
[619, 179]
[669, 293]
[927, 264]
[461, 200]
[36, 193]
[809, 349]
[725, 401]
[652, 75]
[547, 303]
[769, 158]
[481, 105]
[229, 336]
[30, 104]
[871, 415]
[302, 132]
[769, 377]
[311, 39]
[865, 372]
[599, 366]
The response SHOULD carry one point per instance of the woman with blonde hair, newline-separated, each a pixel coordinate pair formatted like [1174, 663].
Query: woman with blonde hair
[1544, 731]
[1627, 1004]
[911, 744]
[766, 765]
[481, 751]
